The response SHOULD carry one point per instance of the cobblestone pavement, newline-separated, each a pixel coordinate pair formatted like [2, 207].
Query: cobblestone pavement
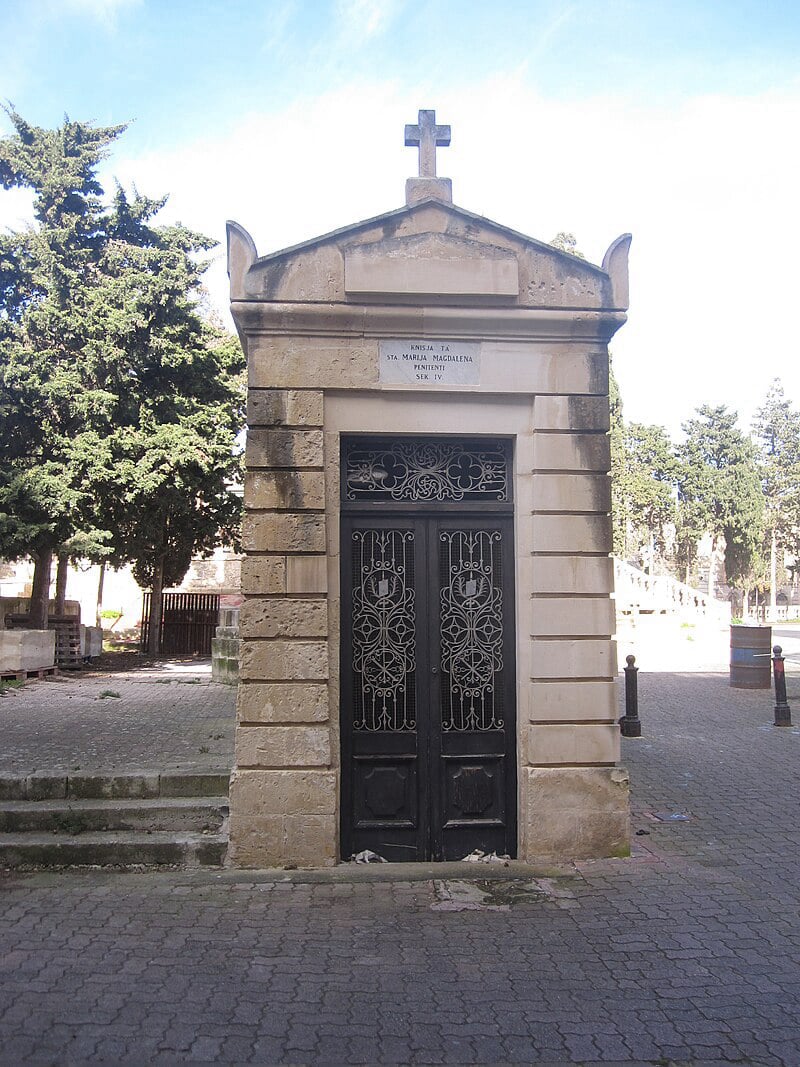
[689, 952]
[170, 716]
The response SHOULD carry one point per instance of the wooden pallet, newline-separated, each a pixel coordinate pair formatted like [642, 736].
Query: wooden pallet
[24, 676]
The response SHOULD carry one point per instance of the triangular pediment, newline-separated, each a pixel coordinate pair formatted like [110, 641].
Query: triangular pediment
[431, 251]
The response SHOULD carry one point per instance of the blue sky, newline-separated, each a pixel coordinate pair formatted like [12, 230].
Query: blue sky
[674, 120]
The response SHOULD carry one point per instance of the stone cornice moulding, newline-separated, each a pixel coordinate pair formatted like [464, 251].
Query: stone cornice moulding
[259, 318]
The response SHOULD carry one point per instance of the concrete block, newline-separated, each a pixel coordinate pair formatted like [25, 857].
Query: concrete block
[26, 650]
[278, 661]
[283, 448]
[565, 659]
[284, 407]
[572, 492]
[571, 451]
[288, 490]
[572, 616]
[282, 746]
[571, 743]
[263, 575]
[284, 618]
[573, 701]
[283, 702]
[571, 533]
[290, 532]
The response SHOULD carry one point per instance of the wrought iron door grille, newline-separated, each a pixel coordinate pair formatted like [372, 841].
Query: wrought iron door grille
[384, 642]
[471, 630]
[430, 470]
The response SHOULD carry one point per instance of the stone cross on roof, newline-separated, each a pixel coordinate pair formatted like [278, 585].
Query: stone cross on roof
[427, 136]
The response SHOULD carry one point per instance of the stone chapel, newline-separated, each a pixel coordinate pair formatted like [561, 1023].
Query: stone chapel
[428, 664]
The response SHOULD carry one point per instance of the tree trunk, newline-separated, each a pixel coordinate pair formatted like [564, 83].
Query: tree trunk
[62, 570]
[98, 619]
[40, 594]
[711, 567]
[745, 603]
[156, 609]
[773, 577]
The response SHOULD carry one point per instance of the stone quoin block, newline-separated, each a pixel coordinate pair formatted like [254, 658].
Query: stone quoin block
[296, 361]
[284, 661]
[263, 575]
[306, 574]
[283, 746]
[284, 407]
[283, 532]
[571, 492]
[571, 451]
[555, 658]
[571, 413]
[284, 618]
[284, 448]
[554, 743]
[570, 574]
[573, 701]
[285, 792]
[572, 616]
[284, 490]
[571, 533]
[280, 702]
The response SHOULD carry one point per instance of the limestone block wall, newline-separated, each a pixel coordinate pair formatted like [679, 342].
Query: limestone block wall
[577, 798]
[283, 791]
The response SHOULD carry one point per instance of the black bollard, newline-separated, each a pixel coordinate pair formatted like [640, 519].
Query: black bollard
[783, 713]
[630, 724]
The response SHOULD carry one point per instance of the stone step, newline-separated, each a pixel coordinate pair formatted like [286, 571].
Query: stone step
[75, 817]
[116, 849]
[140, 785]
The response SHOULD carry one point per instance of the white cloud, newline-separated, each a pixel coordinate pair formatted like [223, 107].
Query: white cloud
[363, 20]
[103, 11]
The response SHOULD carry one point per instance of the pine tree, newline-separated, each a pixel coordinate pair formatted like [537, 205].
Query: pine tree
[121, 405]
[777, 432]
[719, 492]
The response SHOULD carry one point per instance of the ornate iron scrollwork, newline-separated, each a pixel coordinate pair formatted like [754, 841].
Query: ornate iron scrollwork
[471, 629]
[427, 470]
[384, 643]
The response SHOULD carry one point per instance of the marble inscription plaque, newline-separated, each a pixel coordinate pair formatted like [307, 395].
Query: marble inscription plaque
[430, 362]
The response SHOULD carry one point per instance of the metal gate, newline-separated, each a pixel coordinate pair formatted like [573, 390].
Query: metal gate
[428, 679]
[188, 623]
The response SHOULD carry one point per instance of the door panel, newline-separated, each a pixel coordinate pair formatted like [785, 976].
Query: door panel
[427, 684]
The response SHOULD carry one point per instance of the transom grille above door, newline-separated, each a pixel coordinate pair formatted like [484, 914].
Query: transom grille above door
[416, 470]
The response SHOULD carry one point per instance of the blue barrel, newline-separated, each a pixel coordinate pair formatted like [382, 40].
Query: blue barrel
[751, 652]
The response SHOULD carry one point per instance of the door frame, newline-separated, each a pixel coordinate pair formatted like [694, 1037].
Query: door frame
[430, 518]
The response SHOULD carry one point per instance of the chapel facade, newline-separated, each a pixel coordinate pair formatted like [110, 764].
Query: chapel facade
[428, 665]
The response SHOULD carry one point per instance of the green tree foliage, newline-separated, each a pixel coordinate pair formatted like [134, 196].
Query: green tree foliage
[124, 403]
[647, 485]
[777, 432]
[51, 424]
[567, 242]
[719, 491]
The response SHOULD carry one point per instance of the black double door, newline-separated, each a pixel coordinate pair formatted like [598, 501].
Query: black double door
[428, 684]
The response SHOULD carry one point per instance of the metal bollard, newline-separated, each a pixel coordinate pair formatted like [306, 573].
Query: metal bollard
[783, 713]
[630, 723]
